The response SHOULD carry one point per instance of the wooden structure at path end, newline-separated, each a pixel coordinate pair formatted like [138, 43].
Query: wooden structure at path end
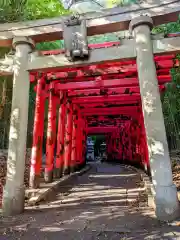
[111, 88]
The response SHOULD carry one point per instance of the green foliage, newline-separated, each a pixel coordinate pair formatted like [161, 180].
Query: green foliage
[21, 10]
[38, 9]
[114, 3]
[12, 10]
[171, 97]
[49, 45]
[94, 138]
[109, 37]
[171, 108]
[168, 28]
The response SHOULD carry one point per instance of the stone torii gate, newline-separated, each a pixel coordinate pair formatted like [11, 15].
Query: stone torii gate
[26, 62]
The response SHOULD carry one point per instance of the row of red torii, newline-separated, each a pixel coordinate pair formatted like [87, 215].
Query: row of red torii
[109, 82]
[76, 108]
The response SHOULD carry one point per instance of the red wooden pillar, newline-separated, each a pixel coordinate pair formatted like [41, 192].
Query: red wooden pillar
[74, 139]
[36, 154]
[80, 142]
[51, 137]
[60, 137]
[68, 139]
[83, 141]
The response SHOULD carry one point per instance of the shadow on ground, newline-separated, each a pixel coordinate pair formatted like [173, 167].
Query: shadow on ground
[96, 206]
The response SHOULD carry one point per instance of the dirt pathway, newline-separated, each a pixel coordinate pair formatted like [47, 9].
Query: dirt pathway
[104, 203]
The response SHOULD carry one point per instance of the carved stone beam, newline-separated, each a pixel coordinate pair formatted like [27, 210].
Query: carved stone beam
[75, 38]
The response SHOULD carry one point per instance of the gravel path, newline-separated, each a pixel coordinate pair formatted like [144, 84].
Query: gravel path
[104, 203]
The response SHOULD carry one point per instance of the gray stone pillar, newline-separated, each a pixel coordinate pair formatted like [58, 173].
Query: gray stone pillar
[165, 193]
[13, 195]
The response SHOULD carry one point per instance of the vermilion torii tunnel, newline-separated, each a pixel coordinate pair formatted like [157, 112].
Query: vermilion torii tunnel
[103, 98]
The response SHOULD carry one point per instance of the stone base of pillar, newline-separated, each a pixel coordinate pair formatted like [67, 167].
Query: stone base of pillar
[148, 171]
[73, 168]
[81, 165]
[78, 166]
[166, 202]
[34, 181]
[58, 172]
[13, 200]
[67, 170]
[48, 176]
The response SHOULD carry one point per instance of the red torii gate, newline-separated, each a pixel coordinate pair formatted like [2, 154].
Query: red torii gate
[111, 92]
[127, 92]
[119, 90]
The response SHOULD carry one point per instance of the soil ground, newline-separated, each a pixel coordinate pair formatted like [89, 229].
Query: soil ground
[107, 202]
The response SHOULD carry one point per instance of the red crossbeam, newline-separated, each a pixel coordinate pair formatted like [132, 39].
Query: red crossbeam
[110, 113]
[130, 111]
[109, 91]
[123, 71]
[164, 63]
[107, 122]
[102, 105]
[163, 67]
[101, 99]
[101, 130]
[103, 118]
[99, 124]
[98, 83]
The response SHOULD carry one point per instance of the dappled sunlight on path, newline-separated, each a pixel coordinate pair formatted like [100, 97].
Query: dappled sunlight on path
[104, 203]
